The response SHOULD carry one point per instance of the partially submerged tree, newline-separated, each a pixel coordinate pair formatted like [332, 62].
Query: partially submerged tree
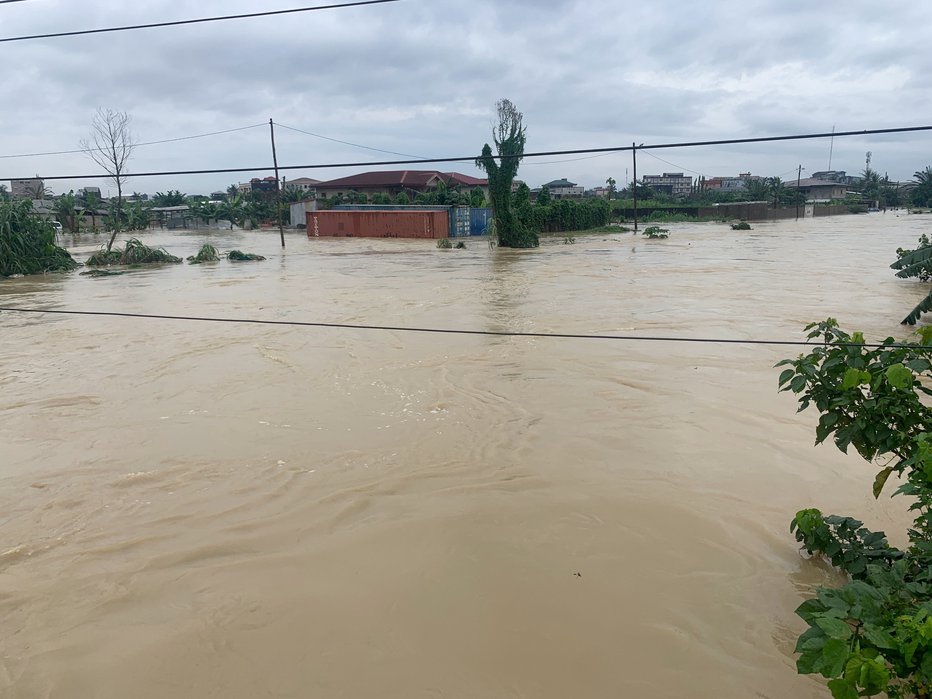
[916, 264]
[111, 145]
[509, 136]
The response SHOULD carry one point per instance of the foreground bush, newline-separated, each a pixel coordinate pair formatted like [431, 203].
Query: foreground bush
[874, 634]
[27, 244]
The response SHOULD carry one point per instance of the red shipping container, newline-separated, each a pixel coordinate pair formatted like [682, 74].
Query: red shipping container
[378, 224]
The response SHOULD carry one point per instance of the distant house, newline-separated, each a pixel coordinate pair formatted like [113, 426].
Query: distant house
[839, 176]
[84, 191]
[395, 182]
[729, 183]
[819, 190]
[564, 189]
[267, 185]
[302, 184]
[33, 188]
[673, 183]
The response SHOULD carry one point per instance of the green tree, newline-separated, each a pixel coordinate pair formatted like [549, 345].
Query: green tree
[510, 137]
[402, 199]
[477, 198]
[543, 196]
[233, 209]
[916, 264]
[233, 190]
[922, 193]
[111, 144]
[612, 189]
[381, 198]
[66, 211]
[172, 197]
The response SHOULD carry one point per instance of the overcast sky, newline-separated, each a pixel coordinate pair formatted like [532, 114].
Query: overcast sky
[422, 77]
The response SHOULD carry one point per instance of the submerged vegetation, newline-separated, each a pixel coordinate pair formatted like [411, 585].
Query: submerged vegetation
[741, 226]
[27, 244]
[134, 252]
[239, 256]
[207, 253]
[656, 232]
[444, 243]
[872, 635]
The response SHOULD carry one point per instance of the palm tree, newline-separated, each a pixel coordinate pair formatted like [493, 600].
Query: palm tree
[611, 187]
[37, 190]
[232, 208]
[922, 194]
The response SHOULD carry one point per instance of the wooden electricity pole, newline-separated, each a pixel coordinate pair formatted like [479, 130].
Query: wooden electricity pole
[278, 188]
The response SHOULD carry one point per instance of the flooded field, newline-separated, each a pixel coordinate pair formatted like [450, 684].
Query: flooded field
[195, 509]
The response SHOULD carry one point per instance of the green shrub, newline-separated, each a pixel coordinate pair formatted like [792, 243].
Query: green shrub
[874, 634]
[134, 252]
[742, 226]
[27, 244]
[857, 209]
[444, 243]
[656, 232]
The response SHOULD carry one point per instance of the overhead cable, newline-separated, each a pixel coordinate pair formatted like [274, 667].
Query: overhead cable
[447, 331]
[147, 143]
[200, 20]
[472, 158]
[347, 143]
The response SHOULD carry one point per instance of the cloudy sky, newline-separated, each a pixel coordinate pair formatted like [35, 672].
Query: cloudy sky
[421, 77]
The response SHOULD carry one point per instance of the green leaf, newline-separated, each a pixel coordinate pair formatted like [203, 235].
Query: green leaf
[834, 656]
[881, 480]
[807, 611]
[806, 663]
[798, 384]
[879, 637]
[834, 628]
[899, 376]
[852, 379]
[786, 375]
[842, 690]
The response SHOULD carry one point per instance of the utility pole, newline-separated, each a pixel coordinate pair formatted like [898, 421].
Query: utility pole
[799, 174]
[634, 184]
[278, 188]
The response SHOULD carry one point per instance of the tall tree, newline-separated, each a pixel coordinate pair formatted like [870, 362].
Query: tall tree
[922, 193]
[510, 137]
[612, 187]
[110, 145]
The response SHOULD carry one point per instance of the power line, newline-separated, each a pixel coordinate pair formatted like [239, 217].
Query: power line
[7, 2]
[645, 151]
[448, 331]
[472, 158]
[347, 143]
[270, 13]
[147, 143]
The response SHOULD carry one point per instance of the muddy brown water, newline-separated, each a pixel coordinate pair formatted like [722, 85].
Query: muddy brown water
[193, 509]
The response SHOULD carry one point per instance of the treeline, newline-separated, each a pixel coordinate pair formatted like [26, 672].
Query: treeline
[548, 215]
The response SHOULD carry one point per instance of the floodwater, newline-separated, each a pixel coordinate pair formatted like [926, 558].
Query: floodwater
[194, 509]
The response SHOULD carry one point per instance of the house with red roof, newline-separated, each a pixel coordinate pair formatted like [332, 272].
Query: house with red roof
[395, 182]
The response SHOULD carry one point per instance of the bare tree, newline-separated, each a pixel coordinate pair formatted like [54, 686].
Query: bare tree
[110, 145]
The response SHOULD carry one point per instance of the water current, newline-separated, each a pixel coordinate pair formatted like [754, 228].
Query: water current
[199, 510]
